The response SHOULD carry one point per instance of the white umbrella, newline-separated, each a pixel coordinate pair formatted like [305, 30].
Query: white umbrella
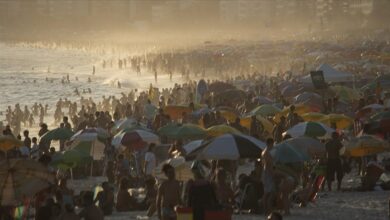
[231, 147]
[193, 145]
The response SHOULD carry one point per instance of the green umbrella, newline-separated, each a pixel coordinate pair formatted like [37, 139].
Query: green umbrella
[310, 129]
[265, 110]
[70, 159]
[93, 148]
[57, 134]
[286, 153]
[185, 131]
[381, 116]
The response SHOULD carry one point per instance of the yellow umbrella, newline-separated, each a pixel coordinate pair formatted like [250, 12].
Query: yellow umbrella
[313, 116]
[268, 126]
[219, 130]
[228, 115]
[341, 121]
[365, 145]
[8, 142]
[300, 109]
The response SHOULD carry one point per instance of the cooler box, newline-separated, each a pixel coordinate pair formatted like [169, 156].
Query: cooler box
[183, 213]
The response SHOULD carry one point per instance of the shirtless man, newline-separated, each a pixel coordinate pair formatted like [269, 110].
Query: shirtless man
[168, 195]
[268, 177]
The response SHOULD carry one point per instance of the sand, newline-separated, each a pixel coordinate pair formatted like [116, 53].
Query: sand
[330, 206]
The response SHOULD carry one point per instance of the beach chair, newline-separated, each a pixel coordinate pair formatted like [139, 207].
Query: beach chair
[183, 213]
[316, 187]
[242, 197]
[373, 174]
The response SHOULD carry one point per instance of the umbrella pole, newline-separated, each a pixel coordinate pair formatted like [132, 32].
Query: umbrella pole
[91, 167]
[93, 148]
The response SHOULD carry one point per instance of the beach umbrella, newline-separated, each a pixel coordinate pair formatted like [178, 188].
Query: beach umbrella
[306, 96]
[286, 153]
[219, 86]
[312, 116]
[341, 121]
[228, 114]
[310, 129]
[231, 95]
[265, 110]
[381, 116]
[261, 100]
[369, 110]
[291, 90]
[124, 124]
[300, 109]
[182, 169]
[230, 147]
[70, 159]
[219, 130]
[176, 111]
[57, 134]
[135, 140]
[200, 112]
[8, 142]
[193, 145]
[182, 131]
[345, 93]
[365, 145]
[90, 134]
[21, 178]
[307, 145]
[93, 148]
[246, 122]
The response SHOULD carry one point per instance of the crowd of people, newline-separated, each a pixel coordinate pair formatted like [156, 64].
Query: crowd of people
[268, 189]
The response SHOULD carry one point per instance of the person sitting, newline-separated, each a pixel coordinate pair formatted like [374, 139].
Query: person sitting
[150, 198]
[224, 192]
[124, 202]
[105, 199]
[247, 195]
[90, 211]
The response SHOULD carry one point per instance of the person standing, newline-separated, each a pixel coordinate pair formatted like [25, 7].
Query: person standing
[150, 161]
[279, 128]
[67, 125]
[27, 139]
[90, 211]
[334, 165]
[199, 193]
[268, 177]
[168, 195]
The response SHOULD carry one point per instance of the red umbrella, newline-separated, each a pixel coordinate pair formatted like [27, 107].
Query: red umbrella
[136, 139]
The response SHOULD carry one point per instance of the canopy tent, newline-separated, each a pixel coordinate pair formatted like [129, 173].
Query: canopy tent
[330, 75]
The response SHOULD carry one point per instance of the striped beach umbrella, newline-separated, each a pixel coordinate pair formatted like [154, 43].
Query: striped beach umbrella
[135, 140]
[230, 147]
[310, 129]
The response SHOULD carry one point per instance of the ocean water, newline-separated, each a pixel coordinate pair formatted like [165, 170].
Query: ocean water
[22, 64]
[24, 68]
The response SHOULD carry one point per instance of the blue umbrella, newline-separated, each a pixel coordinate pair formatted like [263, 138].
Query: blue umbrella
[286, 153]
